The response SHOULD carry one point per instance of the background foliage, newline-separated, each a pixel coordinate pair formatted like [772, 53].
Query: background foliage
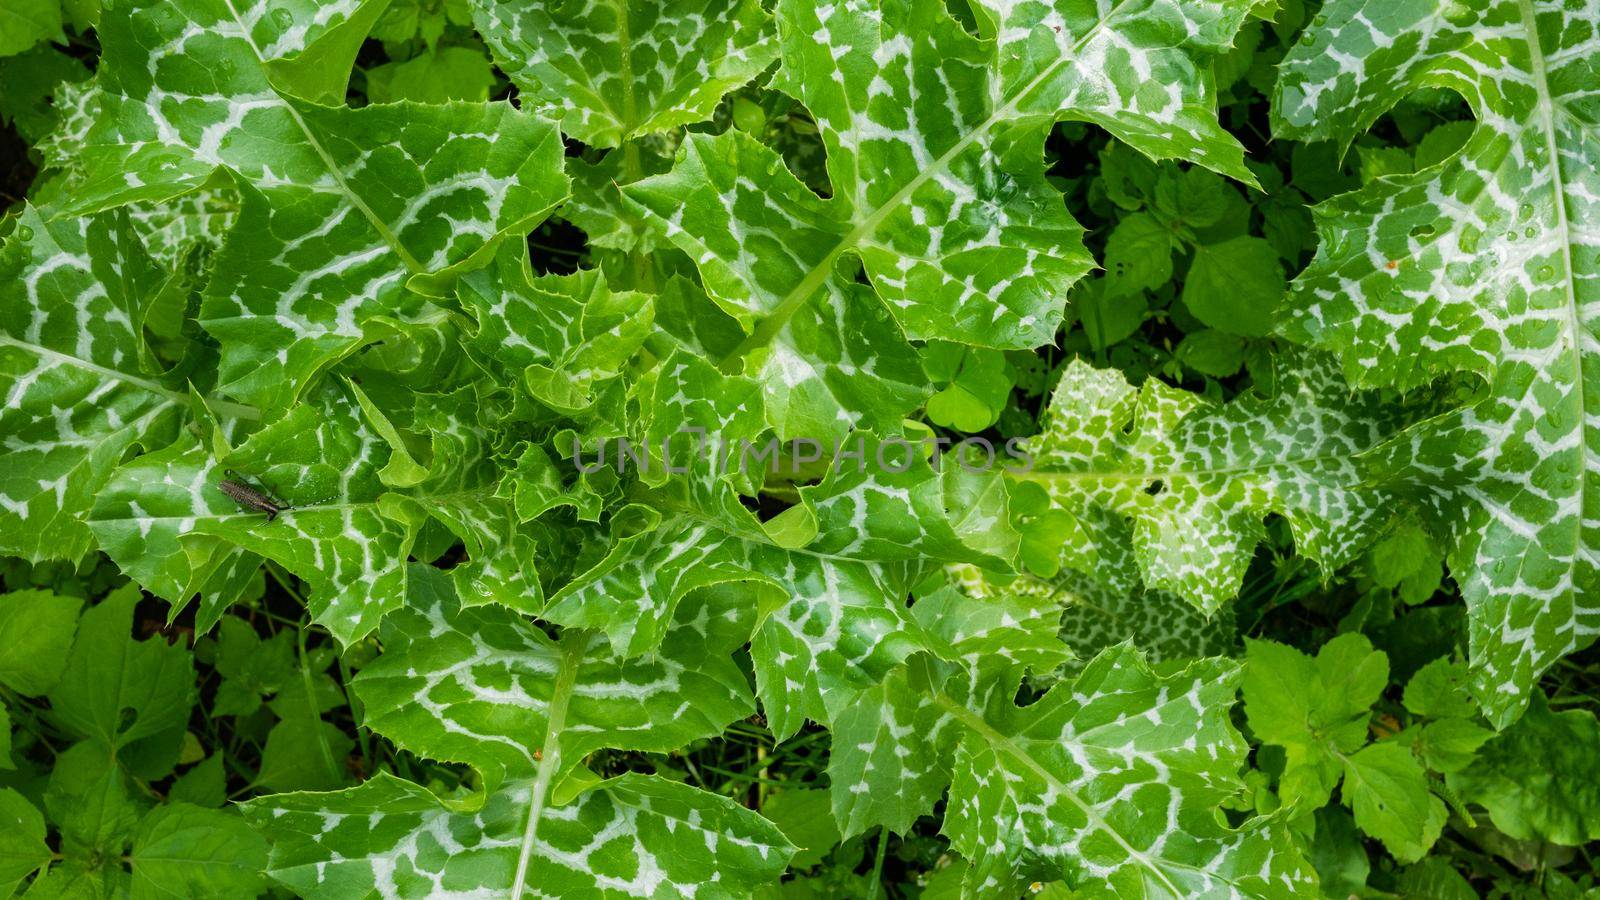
[1288, 301]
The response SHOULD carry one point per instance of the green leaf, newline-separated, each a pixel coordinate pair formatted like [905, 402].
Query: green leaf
[434, 76]
[811, 364]
[22, 840]
[1235, 286]
[349, 537]
[35, 626]
[476, 685]
[1093, 617]
[29, 83]
[610, 72]
[341, 208]
[631, 836]
[1439, 690]
[115, 690]
[1529, 780]
[24, 23]
[91, 802]
[203, 785]
[929, 133]
[1212, 352]
[562, 336]
[1387, 790]
[1170, 487]
[70, 297]
[806, 821]
[181, 850]
[1111, 783]
[833, 611]
[1478, 264]
[1138, 255]
[1315, 708]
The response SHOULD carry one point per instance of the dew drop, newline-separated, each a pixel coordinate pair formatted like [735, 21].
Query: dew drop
[1546, 273]
[1319, 19]
[1530, 231]
[24, 233]
[1526, 211]
[1458, 13]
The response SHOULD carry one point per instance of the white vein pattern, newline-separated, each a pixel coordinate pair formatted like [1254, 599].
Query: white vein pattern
[161, 517]
[1487, 263]
[933, 138]
[339, 207]
[77, 393]
[838, 620]
[1109, 782]
[633, 836]
[1168, 488]
[612, 71]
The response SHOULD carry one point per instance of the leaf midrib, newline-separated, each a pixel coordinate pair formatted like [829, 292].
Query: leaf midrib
[560, 697]
[382, 227]
[769, 327]
[1004, 743]
[1573, 325]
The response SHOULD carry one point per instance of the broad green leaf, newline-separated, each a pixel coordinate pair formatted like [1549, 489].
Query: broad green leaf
[559, 335]
[1530, 777]
[22, 847]
[826, 366]
[1093, 616]
[71, 366]
[203, 785]
[303, 751]
[433, 76]
[35, 626]
[1170, 487]
[1315, 708]
[486, 687]
[340, 207]
[1110, 784]
[24, 23]
[932, 137]
[1482, 263]
[92, 804]
[1387, 790]
[181, 850]
[115, 690]
[1138, 256]
[348, 536]
[611, 72]
[1439, 690]
[598, 207]
[834, 618]
[631, 836]
[804, 816]
[29, 83]
[1235, 286]
[476, 685]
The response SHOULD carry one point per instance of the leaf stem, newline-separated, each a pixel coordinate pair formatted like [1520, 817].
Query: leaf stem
[550, 761]
[877, 864]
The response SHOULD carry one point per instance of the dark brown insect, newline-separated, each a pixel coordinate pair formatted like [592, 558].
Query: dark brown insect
[251, 497]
